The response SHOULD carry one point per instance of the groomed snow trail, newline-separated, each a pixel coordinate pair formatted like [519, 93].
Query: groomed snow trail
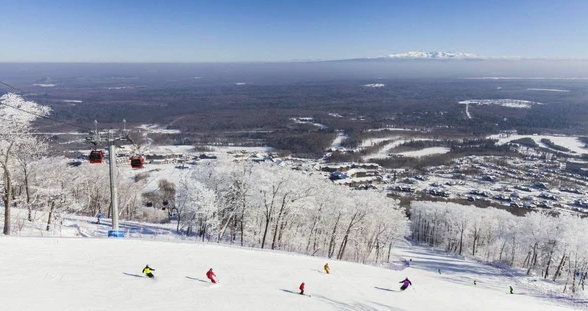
[105, 274]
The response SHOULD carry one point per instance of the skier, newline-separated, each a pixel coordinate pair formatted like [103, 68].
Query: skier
[511, 289]
[210, 276]
[99, 216]
[475, 283]
[301, 288]
[326, 267]
[147, 270]
[439, 270]
[405, 283]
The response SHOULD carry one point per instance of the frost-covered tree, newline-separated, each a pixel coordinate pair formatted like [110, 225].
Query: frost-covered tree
[544, 244]
[16, 117]
[30, 150]
[272, 206]
[197, 207]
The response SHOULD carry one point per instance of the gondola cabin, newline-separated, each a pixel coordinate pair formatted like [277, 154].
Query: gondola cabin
[96, 156]
[137, 162]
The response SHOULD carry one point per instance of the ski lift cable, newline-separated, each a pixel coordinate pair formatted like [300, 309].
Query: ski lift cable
[10, 86]
[38, 115]
[46, 117]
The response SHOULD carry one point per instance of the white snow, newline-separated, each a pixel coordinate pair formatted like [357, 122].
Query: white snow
[391, 129]
[570, 142]
[61, 133]
[433, 55]
[308, 121]
[374, 85]
[385, 150]
[240, 83]
[548, 90]
[105, 274]
[154, 128]
[76, 101]
[338, 140]
[511, 103]
[467, 111]
[45, 85]
[17, 113]
[119, 87]
[526, 78]
[240, 149]
[425, 152]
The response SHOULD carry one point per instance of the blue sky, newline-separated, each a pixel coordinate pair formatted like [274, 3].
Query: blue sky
[275, 30]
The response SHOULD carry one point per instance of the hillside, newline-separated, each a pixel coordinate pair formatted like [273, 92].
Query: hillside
[105, 274]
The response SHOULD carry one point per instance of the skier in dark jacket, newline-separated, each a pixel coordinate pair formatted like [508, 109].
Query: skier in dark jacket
[147, 270]
[405, 283]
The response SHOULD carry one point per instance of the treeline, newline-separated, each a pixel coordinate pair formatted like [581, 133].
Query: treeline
[480, 146]
[549, 245]
[267, 206]
[218, 108]
[309, 144]
[553, 145]
[525, 141]
[420, 144]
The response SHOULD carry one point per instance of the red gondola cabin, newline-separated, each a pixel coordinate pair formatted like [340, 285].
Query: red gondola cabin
[96, 156]
[137, 162]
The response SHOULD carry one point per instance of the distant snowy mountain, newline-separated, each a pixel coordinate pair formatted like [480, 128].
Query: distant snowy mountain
[432, 55]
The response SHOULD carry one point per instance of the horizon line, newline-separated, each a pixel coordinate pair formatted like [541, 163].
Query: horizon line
[490, 58]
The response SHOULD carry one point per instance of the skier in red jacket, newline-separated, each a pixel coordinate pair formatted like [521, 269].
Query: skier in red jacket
[210, 276]
[301, 288]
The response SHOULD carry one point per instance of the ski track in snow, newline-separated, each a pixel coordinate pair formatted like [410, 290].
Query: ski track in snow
[105, 274]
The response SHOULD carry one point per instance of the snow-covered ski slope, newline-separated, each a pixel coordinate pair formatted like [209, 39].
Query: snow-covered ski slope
[105, 274]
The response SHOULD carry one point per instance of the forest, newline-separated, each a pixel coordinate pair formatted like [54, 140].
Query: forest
[550, 246]
[216, 109]
[256, 205]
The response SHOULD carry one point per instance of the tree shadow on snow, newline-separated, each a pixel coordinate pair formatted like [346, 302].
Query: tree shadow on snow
[135, 275]
[551, 296]
[196, 279]
[384, 289]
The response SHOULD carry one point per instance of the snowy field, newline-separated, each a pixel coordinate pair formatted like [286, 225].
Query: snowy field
[510, 103]
[425, 152]
[385, 150]
[570, 142]
[339, 140]
[105, 274]
[548, 90]
[154, 128]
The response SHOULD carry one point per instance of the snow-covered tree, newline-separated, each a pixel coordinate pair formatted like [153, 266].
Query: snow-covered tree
[196, 206]
[16, 117]
[545, 244]
[272, 206]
